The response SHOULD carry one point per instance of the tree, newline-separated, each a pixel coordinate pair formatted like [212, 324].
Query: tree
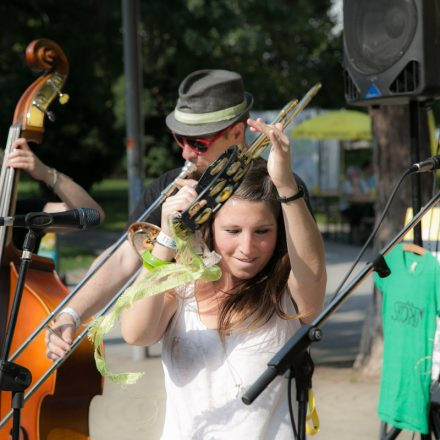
[392, 156]
[83, 141]
[281, 47]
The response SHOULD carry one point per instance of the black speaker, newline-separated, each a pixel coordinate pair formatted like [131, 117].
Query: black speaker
[391, 51]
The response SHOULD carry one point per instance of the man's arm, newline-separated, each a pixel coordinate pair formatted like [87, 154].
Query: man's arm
[307, 280]
[104, 284]
[107, 280]
[93, 296]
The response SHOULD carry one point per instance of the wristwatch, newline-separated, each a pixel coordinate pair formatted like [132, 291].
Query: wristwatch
[298, 195]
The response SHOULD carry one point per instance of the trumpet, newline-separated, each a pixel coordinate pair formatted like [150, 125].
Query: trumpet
[215, 186]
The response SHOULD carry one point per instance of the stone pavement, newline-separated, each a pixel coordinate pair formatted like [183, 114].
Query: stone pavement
[346, 403]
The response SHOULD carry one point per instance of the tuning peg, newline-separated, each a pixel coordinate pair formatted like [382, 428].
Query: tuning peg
[63, 98]
[50, 115]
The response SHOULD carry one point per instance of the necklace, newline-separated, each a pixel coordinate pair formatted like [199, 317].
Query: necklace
[235, 375]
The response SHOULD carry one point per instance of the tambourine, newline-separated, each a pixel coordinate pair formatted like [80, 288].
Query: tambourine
[223, 176]
[216, 186]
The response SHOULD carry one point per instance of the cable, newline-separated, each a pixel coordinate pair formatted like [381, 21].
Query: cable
[373, 233]
[289, 401]
[434, 189]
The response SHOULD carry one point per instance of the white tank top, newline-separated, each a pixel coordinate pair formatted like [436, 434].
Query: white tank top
[205, 379]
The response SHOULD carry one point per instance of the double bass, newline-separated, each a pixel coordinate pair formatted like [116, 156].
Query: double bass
[59, 408]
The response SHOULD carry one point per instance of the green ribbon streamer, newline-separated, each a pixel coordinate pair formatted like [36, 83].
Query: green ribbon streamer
[190, 267]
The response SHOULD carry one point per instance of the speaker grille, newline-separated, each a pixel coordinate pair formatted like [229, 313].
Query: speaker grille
[380, 32]
[408, 80]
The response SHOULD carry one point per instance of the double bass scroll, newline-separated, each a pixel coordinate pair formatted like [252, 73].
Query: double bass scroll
[41, 55]
[29, 115]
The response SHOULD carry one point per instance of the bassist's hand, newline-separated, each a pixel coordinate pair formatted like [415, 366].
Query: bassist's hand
[23, 158]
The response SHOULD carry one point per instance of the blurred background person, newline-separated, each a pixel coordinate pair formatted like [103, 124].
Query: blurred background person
[355, 196]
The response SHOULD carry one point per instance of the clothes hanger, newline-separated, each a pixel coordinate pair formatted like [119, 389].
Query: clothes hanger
[415, 248]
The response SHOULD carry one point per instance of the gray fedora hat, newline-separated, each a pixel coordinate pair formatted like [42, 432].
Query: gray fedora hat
[209, 101]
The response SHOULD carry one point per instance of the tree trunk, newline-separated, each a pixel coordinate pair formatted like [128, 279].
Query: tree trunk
[393, 153]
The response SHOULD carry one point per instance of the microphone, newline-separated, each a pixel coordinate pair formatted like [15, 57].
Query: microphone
[80, 218]
[431, 164]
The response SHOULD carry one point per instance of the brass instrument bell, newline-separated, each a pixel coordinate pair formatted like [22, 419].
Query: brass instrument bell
[142, 236]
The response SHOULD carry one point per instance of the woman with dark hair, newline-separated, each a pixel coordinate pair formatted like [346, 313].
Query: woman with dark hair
[219, 335]
[271, 279]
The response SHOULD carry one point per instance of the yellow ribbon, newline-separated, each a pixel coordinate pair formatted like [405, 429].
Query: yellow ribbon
[313, 427]
[190, 267]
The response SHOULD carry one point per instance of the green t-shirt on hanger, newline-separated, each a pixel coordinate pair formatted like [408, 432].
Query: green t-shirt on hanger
[411, 302]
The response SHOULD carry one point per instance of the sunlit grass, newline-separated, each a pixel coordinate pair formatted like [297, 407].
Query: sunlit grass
[112, 195]
[73, 257]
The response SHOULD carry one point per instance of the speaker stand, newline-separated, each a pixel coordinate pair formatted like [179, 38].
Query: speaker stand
[415, 108]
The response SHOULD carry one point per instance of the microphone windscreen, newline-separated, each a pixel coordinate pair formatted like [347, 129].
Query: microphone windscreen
[91, 217]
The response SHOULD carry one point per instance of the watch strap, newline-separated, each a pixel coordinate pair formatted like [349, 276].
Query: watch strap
[296, 196]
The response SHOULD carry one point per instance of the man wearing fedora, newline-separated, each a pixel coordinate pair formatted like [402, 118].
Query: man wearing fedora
[210, 116]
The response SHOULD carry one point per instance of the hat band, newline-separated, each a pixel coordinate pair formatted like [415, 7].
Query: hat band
[206, 118]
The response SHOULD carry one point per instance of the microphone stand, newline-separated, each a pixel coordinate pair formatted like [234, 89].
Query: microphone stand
[14, 377]
[289, 355]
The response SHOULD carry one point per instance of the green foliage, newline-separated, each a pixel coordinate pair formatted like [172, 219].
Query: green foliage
[111, 194]
[73, 258]
[281, 47]
[83, 141]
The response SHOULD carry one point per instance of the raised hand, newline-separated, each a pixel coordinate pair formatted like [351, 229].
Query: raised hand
[279, 160]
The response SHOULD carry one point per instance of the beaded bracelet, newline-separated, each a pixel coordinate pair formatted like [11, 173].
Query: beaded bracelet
[166, 240]
[150, 261]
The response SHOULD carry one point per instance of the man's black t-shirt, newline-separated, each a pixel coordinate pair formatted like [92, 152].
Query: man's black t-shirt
[154, 190]
[151, 193]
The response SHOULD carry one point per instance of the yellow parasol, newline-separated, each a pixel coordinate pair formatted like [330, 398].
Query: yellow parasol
[347, 125]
